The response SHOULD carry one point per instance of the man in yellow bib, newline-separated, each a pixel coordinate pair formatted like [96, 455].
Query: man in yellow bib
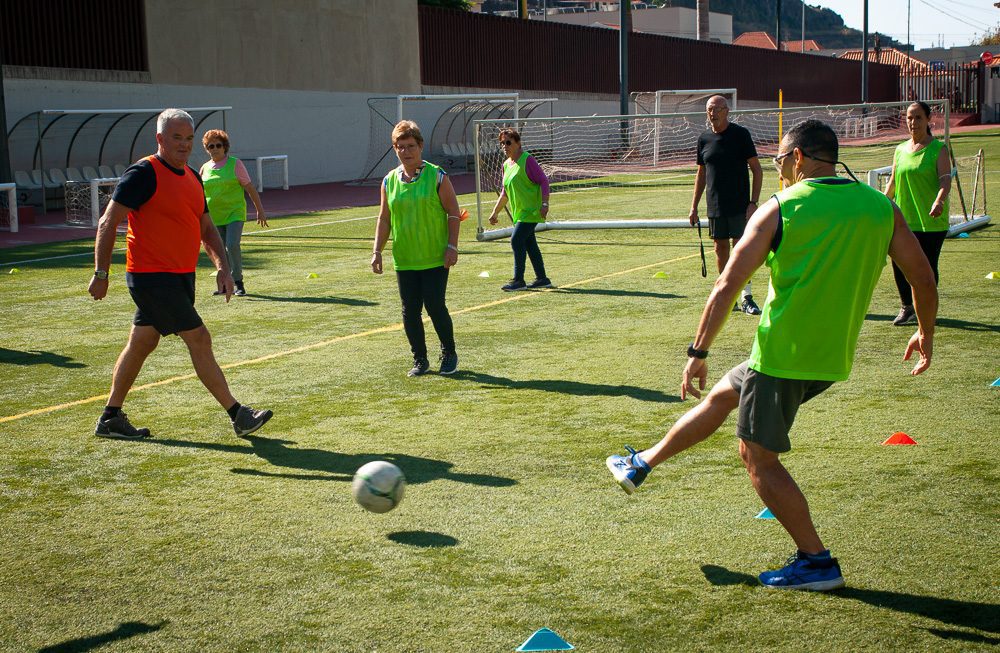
[823, 236]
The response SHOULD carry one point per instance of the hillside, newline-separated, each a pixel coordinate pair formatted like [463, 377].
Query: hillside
[822, 24]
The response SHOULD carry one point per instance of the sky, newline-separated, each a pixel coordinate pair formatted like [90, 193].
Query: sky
[957, 22]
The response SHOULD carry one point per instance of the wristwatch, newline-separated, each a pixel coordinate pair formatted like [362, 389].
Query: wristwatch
[697, 353]
[101, 274]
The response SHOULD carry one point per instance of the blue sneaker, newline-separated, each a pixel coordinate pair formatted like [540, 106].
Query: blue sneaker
[802, 571]
[630, 471]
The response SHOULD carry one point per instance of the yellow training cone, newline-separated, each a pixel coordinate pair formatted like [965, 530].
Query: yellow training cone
[13, 271]
[313, 275]
[660, 275]
[991, 275]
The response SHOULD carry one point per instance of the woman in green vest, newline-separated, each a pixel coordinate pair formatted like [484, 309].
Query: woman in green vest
[419, 210]
[920, 183]
[527, 188]
[226, 179]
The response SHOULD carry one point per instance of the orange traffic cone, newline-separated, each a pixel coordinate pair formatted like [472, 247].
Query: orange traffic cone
[899, 438]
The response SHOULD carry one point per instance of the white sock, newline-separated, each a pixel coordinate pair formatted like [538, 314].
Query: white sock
[746, 291]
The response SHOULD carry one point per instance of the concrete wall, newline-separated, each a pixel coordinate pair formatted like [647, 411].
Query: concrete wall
[309, 45]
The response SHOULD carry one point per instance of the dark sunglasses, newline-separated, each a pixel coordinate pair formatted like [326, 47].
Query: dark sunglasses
[506, 143]
[212, 146]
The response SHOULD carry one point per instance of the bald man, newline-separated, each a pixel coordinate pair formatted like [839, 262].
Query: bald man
[725, 153]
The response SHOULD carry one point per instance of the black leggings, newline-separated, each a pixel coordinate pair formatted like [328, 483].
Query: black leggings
[420, 289]
[524, 244]
[930, 242]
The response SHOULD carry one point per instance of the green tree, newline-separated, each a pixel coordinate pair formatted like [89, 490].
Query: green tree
[463, 5]
[990, 37]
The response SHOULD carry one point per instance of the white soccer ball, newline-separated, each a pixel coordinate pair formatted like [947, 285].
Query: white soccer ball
[378, 486]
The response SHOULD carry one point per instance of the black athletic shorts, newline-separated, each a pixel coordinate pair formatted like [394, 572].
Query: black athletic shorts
[164, 301]
[727, 227]
[768, 405]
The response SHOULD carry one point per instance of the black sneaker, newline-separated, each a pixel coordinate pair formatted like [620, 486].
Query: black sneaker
[906, 316]
[449, 362]
[240, 290]
[749, 306]
[119, 428]
[218, 292]
[420, 366]
[540, 283]
[514, 284]
[249, 420]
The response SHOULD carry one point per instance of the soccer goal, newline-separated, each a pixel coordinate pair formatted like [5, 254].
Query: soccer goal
[968, 192]
[638, 171]
[8, 207]
[677, 101]
[86, 200]
[445, 120]
[268, 171]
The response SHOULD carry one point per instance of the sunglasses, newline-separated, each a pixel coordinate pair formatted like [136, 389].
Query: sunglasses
[781, 157]
[212, 146]
[506, 143]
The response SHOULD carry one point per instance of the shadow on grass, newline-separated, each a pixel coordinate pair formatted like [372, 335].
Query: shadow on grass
[424, 539]
[123, 631]
[568, 387]
[343, 301]
[945, 322]
[617, 293]
[37, 357]
[964, 636]
[967, 614]
[323, 465]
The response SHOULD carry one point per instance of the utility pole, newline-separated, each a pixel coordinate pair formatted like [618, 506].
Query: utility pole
[864, 56]
[906, 76]
[803, 41]
[777, 25]
[625, 27]
[5, 176]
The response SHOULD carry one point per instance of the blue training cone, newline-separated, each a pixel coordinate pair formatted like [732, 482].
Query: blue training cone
[996, 383]
[545, 640]
[766, 514]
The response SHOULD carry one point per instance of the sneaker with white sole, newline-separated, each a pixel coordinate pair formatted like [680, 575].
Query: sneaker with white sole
[629, 471]
[449, 363]
[119, 428]
[543, 282]
[249, 420]
[514, 284]
[802, 571]
[906, 316]
[749, 306]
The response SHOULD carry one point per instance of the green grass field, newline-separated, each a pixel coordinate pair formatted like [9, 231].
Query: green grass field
[197, 540]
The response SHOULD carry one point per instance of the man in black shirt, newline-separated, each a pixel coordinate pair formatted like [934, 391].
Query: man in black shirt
[724, 154]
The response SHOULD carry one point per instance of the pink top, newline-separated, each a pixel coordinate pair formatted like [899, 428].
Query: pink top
[535, 174]
[241, 170]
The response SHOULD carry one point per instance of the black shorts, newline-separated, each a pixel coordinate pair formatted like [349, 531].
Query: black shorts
[164, 301]
[768, 405]
[727, 227]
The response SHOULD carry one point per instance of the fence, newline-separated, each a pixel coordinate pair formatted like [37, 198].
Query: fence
[570, 58]
[963, 84]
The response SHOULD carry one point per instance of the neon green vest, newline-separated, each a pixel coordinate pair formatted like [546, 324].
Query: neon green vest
[916, 182]
[224, 193]
[525, 196]
[833, 247]
[418, 222]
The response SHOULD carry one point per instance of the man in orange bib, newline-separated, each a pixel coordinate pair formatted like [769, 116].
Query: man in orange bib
[168, 219]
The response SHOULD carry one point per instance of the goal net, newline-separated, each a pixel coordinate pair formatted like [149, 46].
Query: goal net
[638, 171]
[8, 207]
[86, 200]
[268, 171]
[968, 192]
[446, 123]
[679, 101]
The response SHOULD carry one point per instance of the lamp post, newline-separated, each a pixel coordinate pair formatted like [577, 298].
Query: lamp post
[864, 57]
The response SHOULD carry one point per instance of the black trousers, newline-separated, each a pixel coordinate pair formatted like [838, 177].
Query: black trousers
[525, 246]
[931, 242]
[419, 289]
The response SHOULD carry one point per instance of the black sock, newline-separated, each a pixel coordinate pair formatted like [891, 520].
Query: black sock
[110, 412]
[232, 410]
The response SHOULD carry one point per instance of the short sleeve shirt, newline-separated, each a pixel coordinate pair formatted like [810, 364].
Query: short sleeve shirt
[725, 155]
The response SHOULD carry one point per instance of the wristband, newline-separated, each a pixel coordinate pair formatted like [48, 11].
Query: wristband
[450, 246]
[697, 353]
[101, 274]
[376, 252]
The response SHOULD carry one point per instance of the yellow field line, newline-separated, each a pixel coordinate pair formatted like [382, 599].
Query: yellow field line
[316, 345]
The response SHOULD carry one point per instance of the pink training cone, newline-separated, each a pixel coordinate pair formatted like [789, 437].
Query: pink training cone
[899, 438]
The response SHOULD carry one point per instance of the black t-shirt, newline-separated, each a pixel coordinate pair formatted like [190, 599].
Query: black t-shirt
[725, 155]
[135, 188]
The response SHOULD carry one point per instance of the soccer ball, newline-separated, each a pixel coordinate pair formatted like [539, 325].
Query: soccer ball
[378, 486]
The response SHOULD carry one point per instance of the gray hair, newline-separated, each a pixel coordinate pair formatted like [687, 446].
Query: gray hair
[169, 115]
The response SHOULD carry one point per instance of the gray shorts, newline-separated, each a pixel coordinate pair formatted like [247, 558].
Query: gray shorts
[727, 227]
[768, 405]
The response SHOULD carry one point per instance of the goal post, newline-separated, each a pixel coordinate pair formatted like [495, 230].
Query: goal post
[269, 171]
[639, 171]
[8, 208]
[86, 200]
